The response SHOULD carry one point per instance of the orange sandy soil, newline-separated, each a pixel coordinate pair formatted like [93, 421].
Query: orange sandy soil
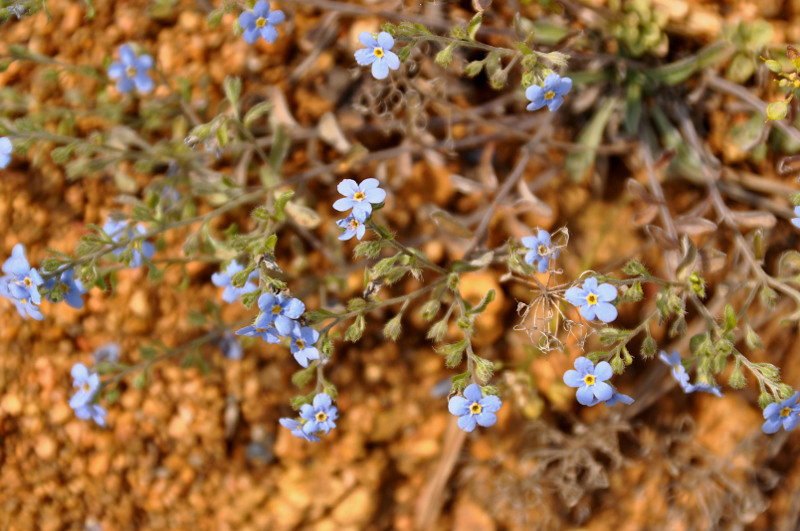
[175, 454]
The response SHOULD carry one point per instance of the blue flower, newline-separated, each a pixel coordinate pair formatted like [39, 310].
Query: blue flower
[795, 221]
[86, 383]
[223, 280]
[303, 340]
[593, 300]
[267, 333]
[474, 409]
[131, 71]
[540, 250]
[108, 352]
[279, 311]
[71, 289]
[230, 346]
[5, 151]
[297, 429]
[786, 414]
[678, 370]
[551, 94]
[377, 54]
[590, 381]
[116, 230]
[21, 284]
[352, 227]
[320, 416]
[704, 388]
[260, 22]
[619, 397]
[615, 398]
[24, 280]
[359, 197]
[91, 411]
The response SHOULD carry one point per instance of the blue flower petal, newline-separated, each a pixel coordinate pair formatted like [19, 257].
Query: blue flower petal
[380, 70]
[602, 391]
[606, 292]
[486, 419]
[573, 379]
[367, 40]
[605, 312]
[458, 406]
[603, 371]
[269, 33]
[467, 422]
[585, 395]
[385, 41]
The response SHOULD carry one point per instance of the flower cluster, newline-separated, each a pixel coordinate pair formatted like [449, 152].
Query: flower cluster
[591, 383]
[5, 151]
[223, 280]
[314, 418]
[277, 319]
[131, 71]
[119, 231]
[68, 288]
[20, 284]
[551, 93]
[377, 53]
[359, 198]
[260, 22]
[87, 384]
[474, 409]
[682, 377]
[594, 301]
[540, 250]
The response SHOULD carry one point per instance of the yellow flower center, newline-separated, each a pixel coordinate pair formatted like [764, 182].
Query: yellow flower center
[23, 301]
[28, 282]
[130, 71]
[321, 416]
[785, 412]
[64, 288]
[85, 387]
[276, 309]
[300, 344]
[543, 250]
[591, 299]
[475, 408]
[588, 379]
[261, 22]
[261, 330]
[378, 51]
[359, 196]
[354, 223]
[549, 95]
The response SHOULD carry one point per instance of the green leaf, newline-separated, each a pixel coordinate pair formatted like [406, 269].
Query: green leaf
[393, 327]
[730, 318]
[369, 249]
[140, 380]
[280, 149]
[445, 56]
[303, 376]
[474, 25]
[233, 90]
[256, 112]
[777, 110]
[280, 204]
[578, 163]
[355, 330]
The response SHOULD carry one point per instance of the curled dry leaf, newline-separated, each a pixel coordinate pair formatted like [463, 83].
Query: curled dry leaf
[694, 226]
[754, 220]
[662, 239]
